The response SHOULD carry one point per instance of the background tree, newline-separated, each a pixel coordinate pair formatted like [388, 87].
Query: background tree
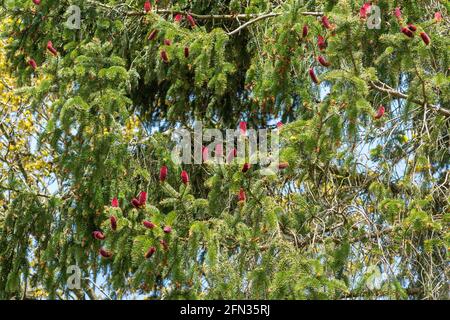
[361, 211]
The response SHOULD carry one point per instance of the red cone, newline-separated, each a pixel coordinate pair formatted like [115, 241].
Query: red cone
[407, 32]
[246, 167]
[313, 76]
[105, 253]
[398, 13]
[412, 27]
[142, 198]
[148, 224]
[321, 43]
[185, 177]
[241, 195]
[98, 235]
[426, 39]
[326, 23]
[152, 35]
[164, 56]
[305, 31]
[323, 61]
[178, 18]
[135, 202]
[205, 153]
[380, 112]
[51, 48]
[147, 6]
[243, 127]
[163, 173]
[151, 251]
[113, 221]
[283, 165]
[191, 21]
[32, 64]
[115, 203]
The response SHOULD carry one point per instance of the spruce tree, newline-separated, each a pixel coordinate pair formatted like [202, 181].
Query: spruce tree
[359, 209]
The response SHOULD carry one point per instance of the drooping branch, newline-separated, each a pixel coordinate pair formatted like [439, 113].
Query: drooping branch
[245, 25]
[382, 87]
[413, 291]
[252, 17]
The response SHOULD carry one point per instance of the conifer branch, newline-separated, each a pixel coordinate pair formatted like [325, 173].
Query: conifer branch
[245, 25]
[253, 17]
[382, 87]
[16, 190]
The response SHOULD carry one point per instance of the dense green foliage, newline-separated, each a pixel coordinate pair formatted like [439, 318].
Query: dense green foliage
[365, 197]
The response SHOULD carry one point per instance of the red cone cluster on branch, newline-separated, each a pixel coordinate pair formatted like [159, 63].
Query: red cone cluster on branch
[152, 35]
[147, 6]
[184, 177]
[115, 203]
[246, 167]
[305, 31]
[407, 32]
[98, 235]
[241, 196]
[191, 21]
[140, 201]
[51, 48]
[279, 124]
[113, 221]
[426, 39]
[313, 76]
[105, 253]
[164, 56]
[37, 2]
[438, 16]
[167, 42]
[380, 112]
[321, 43]
[148, 224]
[163, 173]
[186, 52]
[32, 64]
[323, 61]
[150, 252]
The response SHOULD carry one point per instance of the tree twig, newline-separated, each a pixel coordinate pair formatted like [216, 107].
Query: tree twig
[382, 87]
